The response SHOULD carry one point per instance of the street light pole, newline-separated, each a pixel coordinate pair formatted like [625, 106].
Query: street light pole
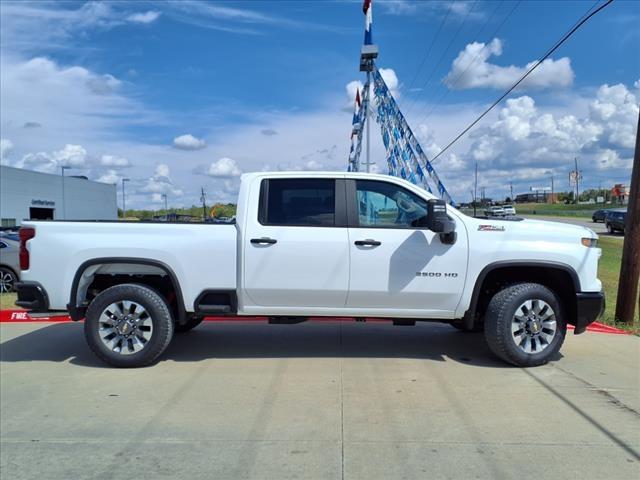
[166, 210]
[64, 207]
[124, 208]
[575, 159]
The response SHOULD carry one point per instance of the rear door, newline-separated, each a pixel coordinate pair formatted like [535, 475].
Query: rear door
[296, 248]
[395, 266]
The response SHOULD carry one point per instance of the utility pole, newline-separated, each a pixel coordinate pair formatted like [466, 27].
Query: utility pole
[166, 210]
[124, 207]
[552, 197]
[511, 190]
[64, 205]
[203, 199]
[575, 159]
[630, 268]
[475, 191]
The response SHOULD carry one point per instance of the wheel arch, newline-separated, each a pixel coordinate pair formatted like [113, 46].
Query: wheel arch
[559, 277]
[77, 310]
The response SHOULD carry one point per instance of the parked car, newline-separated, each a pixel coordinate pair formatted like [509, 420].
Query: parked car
[9, 264]
[599, 216]
[509, 209]
[615, 221]
[317, 244]
[494, 211]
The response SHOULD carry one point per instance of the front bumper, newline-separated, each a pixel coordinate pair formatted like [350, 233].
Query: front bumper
[32, 296]
[589, 307]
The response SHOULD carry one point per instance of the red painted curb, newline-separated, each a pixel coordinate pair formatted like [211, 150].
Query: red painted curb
[21, 316]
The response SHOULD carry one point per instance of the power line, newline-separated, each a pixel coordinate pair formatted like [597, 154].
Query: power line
[460, 75]
[537, 64]
[433, 41]
[433, 71]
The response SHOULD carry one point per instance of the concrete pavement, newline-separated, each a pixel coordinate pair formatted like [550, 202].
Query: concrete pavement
[315, 401]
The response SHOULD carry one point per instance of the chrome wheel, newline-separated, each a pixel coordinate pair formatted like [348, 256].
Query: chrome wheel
[533, 327]
[6, 282]
[125, 327]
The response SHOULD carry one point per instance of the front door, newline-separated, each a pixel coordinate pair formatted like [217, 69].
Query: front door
[296, 250]
[395, 266]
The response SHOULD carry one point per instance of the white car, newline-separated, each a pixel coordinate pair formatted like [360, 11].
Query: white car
[509, 209]
[317, 244]
[494, 211]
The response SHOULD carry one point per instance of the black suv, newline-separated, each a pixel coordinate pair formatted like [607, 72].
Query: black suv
[599, 216]
[615, 221]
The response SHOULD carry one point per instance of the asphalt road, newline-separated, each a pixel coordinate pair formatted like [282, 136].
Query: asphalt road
[317, 401]
[598, 228]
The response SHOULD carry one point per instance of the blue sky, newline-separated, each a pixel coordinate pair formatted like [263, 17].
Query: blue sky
[183, 94]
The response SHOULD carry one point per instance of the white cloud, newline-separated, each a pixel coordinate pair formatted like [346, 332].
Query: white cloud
[29, 26]
[524, 137]
[146, 17]
[74, 156]
[114, 161]
[161, 183]
[390, 78]
[471, 69]
[224, 167]
[162, 170]
[388, 75]
[608, 159]
[188, 142]
[6, 146]
[460, 8]
[110, 176]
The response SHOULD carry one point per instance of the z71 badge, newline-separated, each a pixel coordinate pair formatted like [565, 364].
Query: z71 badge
[490, 228]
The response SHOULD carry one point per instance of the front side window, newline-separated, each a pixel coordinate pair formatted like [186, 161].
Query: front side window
[298, 202]
[385, 205]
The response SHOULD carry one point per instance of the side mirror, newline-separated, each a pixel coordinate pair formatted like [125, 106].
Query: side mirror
[422, 222]
[437, 219]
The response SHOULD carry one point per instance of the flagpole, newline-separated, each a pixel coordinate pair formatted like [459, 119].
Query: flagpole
[368, 120]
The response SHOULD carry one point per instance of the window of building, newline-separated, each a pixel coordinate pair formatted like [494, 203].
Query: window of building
[8, 222]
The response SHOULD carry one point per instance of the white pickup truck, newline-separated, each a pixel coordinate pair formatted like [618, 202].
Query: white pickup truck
[317, 244]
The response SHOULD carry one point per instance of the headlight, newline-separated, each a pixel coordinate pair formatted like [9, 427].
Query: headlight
[590, 242]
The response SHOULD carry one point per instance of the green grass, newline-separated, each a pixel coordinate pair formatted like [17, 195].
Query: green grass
[609, 273]
[7, 301]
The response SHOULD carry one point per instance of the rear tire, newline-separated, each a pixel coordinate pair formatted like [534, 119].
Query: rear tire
[128, 325]
[525, 324]
[190, 325]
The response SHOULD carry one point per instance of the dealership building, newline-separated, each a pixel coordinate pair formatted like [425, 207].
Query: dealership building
[28, 195]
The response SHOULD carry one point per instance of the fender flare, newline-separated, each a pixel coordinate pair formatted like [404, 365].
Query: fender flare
[77, 313]
[468, 316]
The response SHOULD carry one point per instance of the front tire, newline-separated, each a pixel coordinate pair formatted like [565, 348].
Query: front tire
[525, 325]
[128, 325]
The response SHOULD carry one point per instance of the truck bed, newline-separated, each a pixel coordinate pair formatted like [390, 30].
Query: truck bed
[201, 256]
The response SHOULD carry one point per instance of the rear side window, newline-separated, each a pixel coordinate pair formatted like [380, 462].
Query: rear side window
[298, 202]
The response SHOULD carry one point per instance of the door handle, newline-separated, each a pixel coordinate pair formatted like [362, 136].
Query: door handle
[367, 243]
[263, 240]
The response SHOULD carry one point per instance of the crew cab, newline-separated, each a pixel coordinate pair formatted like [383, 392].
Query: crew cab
[316, 244]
